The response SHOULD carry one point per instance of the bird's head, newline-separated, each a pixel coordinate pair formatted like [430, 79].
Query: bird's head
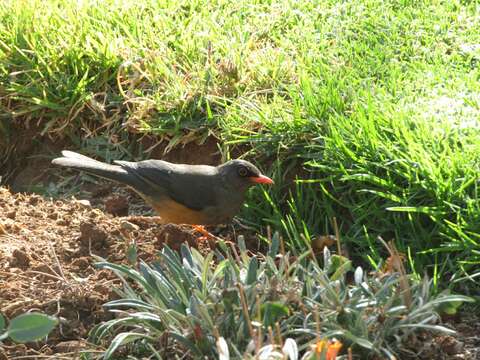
[241, 174]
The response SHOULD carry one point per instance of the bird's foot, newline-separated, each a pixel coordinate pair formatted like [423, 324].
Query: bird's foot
[206, 235]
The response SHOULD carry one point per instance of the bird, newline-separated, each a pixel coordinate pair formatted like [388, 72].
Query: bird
[199, 195]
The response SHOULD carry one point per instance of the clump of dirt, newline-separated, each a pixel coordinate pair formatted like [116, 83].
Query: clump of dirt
[116, 205]
[46, 263]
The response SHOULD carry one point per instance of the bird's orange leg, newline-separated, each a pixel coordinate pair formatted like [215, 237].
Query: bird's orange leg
[206, 235]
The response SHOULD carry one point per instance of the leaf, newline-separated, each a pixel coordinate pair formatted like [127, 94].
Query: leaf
[438, 328]
[199, 310]
[101, 330]
[358, 340]
[290, 349]
[241, 244]
[31, 327]
[133, 303]
[396, 310]
[252, 271]
[186, 254]
[274, 246]
[132, 254]
[429, 210]
[270, 352]
[125, 270]
[450, 308]
[272, 312]
[222, 348]
[219, 271]
[190, 345]
[146, 316]
[327, 258]
[206, 271]
[193, 306]
[122, 339]
[451, 299]
[358, 275]
[340, 266]
[2, 323]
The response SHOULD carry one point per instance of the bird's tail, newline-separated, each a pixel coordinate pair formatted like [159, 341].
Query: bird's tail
[77, 161]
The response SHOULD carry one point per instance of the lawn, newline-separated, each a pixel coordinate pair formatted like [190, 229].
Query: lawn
[367, 112]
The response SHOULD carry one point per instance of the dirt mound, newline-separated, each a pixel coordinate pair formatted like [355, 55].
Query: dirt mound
[46, 262]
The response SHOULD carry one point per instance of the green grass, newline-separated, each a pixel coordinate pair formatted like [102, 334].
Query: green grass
[375, 103]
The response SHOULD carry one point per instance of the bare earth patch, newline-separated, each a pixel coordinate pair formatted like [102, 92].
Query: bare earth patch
[46, 263]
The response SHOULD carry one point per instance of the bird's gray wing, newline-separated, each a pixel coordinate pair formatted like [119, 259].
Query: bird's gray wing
[157, 178]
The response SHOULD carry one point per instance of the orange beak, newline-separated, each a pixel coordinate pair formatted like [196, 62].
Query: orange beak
[262, 179]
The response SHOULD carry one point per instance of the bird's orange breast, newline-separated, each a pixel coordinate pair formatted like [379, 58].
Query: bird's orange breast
[173, 212]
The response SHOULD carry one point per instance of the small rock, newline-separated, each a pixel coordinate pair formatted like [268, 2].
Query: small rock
[20, 259]
[128, 226]
[33, 199]
[81, 263]
[173, 236]
[62, 222]
[117, 205]
[94, 235]
[450, 345]
[84, 203]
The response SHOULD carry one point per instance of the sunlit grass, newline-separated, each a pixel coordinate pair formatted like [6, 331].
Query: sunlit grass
[374, 104]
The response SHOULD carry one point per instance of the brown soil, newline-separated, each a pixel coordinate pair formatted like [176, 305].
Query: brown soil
[46, 262]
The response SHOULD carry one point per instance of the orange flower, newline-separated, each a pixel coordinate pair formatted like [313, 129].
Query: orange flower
[332, 348]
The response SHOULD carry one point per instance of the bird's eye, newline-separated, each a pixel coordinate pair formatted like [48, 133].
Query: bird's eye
[242, 172]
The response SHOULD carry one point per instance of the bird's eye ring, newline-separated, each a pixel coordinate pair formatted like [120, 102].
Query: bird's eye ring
[242, 172]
